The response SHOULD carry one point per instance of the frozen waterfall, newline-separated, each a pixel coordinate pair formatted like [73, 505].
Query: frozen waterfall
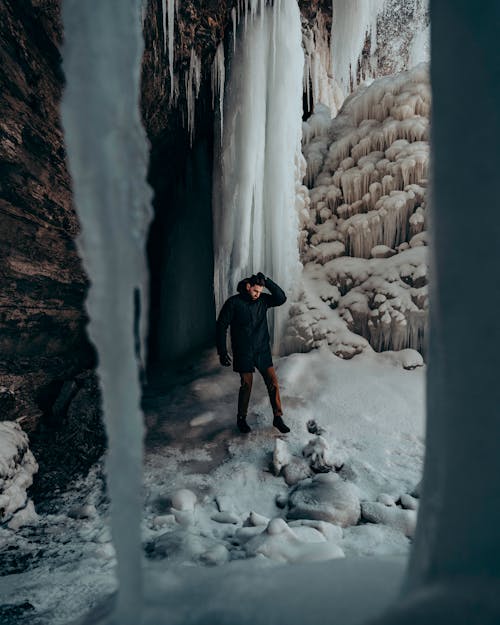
[108, 156]
[255, 216]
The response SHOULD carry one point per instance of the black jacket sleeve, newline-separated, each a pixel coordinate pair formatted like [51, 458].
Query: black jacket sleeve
[223, 321]
[277, 297]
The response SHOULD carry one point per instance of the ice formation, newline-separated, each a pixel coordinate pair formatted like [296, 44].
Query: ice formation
[218, 82]
[193, 84]
[318, 84]
[17, 467]
[105, 142]
[255, 220]
[363, 238]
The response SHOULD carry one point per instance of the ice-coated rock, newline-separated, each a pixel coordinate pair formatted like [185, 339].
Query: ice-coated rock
[387, 500]
[319, 455]
[281, 455]
[395, 517]
[409, 503]
[25, 516]
[225, 517]
[330, 531]
[280, 543]
[255, 519]
[325, 497]
[298, 469]
[183, 499]
[17, 467]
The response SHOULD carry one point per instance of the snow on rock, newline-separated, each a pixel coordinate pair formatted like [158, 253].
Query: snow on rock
[183, 499]
[281, 455]
[280, 543]
[363, 242]
[325, 497]
[226, 517]
[399, 519]
[17, 467]
[296, 470]
[319, 454]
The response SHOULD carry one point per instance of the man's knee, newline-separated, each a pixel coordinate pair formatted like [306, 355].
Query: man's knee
[246, 381]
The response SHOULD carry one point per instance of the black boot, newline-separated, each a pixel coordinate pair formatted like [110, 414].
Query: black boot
[280, 425]
[243, 426]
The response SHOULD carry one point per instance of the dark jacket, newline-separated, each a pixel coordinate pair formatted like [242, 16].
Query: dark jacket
[249, 331]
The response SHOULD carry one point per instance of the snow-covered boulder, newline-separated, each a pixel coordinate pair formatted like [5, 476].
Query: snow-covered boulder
[280, 543]
[17, 467]
[326, 497]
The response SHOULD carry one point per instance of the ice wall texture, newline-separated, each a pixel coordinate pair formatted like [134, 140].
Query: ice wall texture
[363, 220]
[108, 156]
[368, 39]
[255, 220]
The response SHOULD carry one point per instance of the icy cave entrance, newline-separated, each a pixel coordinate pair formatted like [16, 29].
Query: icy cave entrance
[180, 250]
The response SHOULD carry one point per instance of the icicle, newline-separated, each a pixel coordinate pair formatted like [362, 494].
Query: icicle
[164, 23]
[218, 82]
[108, 161]
[171, 21]
[235, 24]
[193, 84]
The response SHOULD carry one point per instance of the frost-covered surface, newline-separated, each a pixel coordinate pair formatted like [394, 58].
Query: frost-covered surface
[17, 467]
[214, 497]
[363, 222]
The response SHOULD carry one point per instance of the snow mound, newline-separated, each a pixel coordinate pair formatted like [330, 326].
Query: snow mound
[280, 543]
[325, 497]
[17, 467]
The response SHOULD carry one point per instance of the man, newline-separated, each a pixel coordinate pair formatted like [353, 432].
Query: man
[246, 313]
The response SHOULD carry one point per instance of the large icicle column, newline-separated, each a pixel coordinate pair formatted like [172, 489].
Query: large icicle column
[454, 572]
[255, 219]
[108, 155]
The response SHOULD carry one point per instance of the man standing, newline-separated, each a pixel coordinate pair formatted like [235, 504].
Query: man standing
[246, 313]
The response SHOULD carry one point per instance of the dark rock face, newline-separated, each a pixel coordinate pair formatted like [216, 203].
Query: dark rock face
[42, 317]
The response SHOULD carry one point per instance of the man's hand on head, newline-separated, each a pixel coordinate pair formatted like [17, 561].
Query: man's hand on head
[225, 360]
[261, 275]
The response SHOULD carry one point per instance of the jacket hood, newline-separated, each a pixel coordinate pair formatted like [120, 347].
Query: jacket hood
[241, 288]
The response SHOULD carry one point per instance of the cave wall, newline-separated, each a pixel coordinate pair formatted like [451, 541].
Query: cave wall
[42, 318]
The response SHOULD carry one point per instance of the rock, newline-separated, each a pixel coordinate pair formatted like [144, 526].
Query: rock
[216, 555]
[298, 469]
[402, 520]
[280, 543]
[409, 503]
[163, 519]
[183, 499]
[318, 453]
[314, 428]
[281, 455]
[386, 499]
[256, 519]
[325, 497]
[330, 531]
[87, 511]
[225, 517]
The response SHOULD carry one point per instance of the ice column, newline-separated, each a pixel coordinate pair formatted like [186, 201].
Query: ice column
[454, 572]
[255, 220]
[108, 157]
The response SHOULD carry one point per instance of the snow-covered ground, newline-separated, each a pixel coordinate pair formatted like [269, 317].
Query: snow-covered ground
[213, 496]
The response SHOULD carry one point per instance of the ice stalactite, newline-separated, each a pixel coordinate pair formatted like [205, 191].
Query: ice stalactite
[218, 82]
[108, 160]
[255, 216]
[363, 229]
[318, 84]
[193, 84]
[353, 22]
[172, 7]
